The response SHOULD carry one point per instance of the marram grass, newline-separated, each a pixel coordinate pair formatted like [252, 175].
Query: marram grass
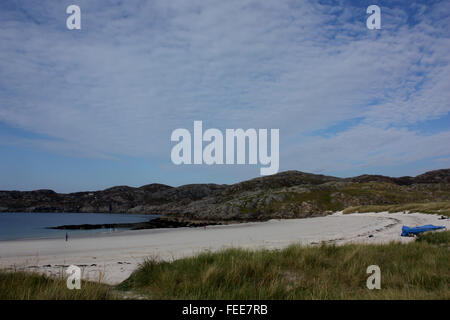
[417, 270]
[21, 285]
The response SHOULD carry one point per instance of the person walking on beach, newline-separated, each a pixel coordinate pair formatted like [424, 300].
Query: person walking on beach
[67, 236]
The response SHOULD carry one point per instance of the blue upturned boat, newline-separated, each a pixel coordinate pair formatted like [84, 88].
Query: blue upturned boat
[410, 231]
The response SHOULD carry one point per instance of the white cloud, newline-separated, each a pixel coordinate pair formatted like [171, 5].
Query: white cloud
[136, 71]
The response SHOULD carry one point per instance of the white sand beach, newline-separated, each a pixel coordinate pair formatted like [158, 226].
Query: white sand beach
[113, 257]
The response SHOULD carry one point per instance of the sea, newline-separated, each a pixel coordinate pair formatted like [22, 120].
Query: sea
[25, 225]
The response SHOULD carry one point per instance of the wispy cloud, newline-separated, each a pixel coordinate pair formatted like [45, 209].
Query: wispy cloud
[138, 69]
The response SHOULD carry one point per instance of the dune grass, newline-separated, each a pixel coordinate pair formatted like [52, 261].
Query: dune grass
[437, 238]
[438, 207]
[417, 270]
[20, 285]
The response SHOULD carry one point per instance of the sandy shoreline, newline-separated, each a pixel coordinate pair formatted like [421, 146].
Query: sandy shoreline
[112, 257]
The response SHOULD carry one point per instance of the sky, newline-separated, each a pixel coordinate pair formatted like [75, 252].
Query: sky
[92, 108]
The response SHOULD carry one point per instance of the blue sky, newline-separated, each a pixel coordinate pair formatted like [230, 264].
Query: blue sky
[92, 108]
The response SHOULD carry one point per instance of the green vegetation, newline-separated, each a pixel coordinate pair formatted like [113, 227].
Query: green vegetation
[321, 200]
[437, 238]
[417, 270]
[30, 286]
[439, 207]
[307, 200]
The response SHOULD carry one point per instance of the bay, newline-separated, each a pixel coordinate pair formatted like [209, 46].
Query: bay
[25, 225]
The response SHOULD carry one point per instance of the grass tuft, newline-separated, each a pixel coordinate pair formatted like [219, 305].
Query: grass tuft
[20, 285]
[441, 238]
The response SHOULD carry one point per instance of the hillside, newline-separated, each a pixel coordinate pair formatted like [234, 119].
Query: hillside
[290, 194]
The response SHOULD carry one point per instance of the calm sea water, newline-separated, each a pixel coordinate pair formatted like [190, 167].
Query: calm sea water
[20, 225]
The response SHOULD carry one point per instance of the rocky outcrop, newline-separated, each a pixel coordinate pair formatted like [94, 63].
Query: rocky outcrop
[156, 223]
[290, 194]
